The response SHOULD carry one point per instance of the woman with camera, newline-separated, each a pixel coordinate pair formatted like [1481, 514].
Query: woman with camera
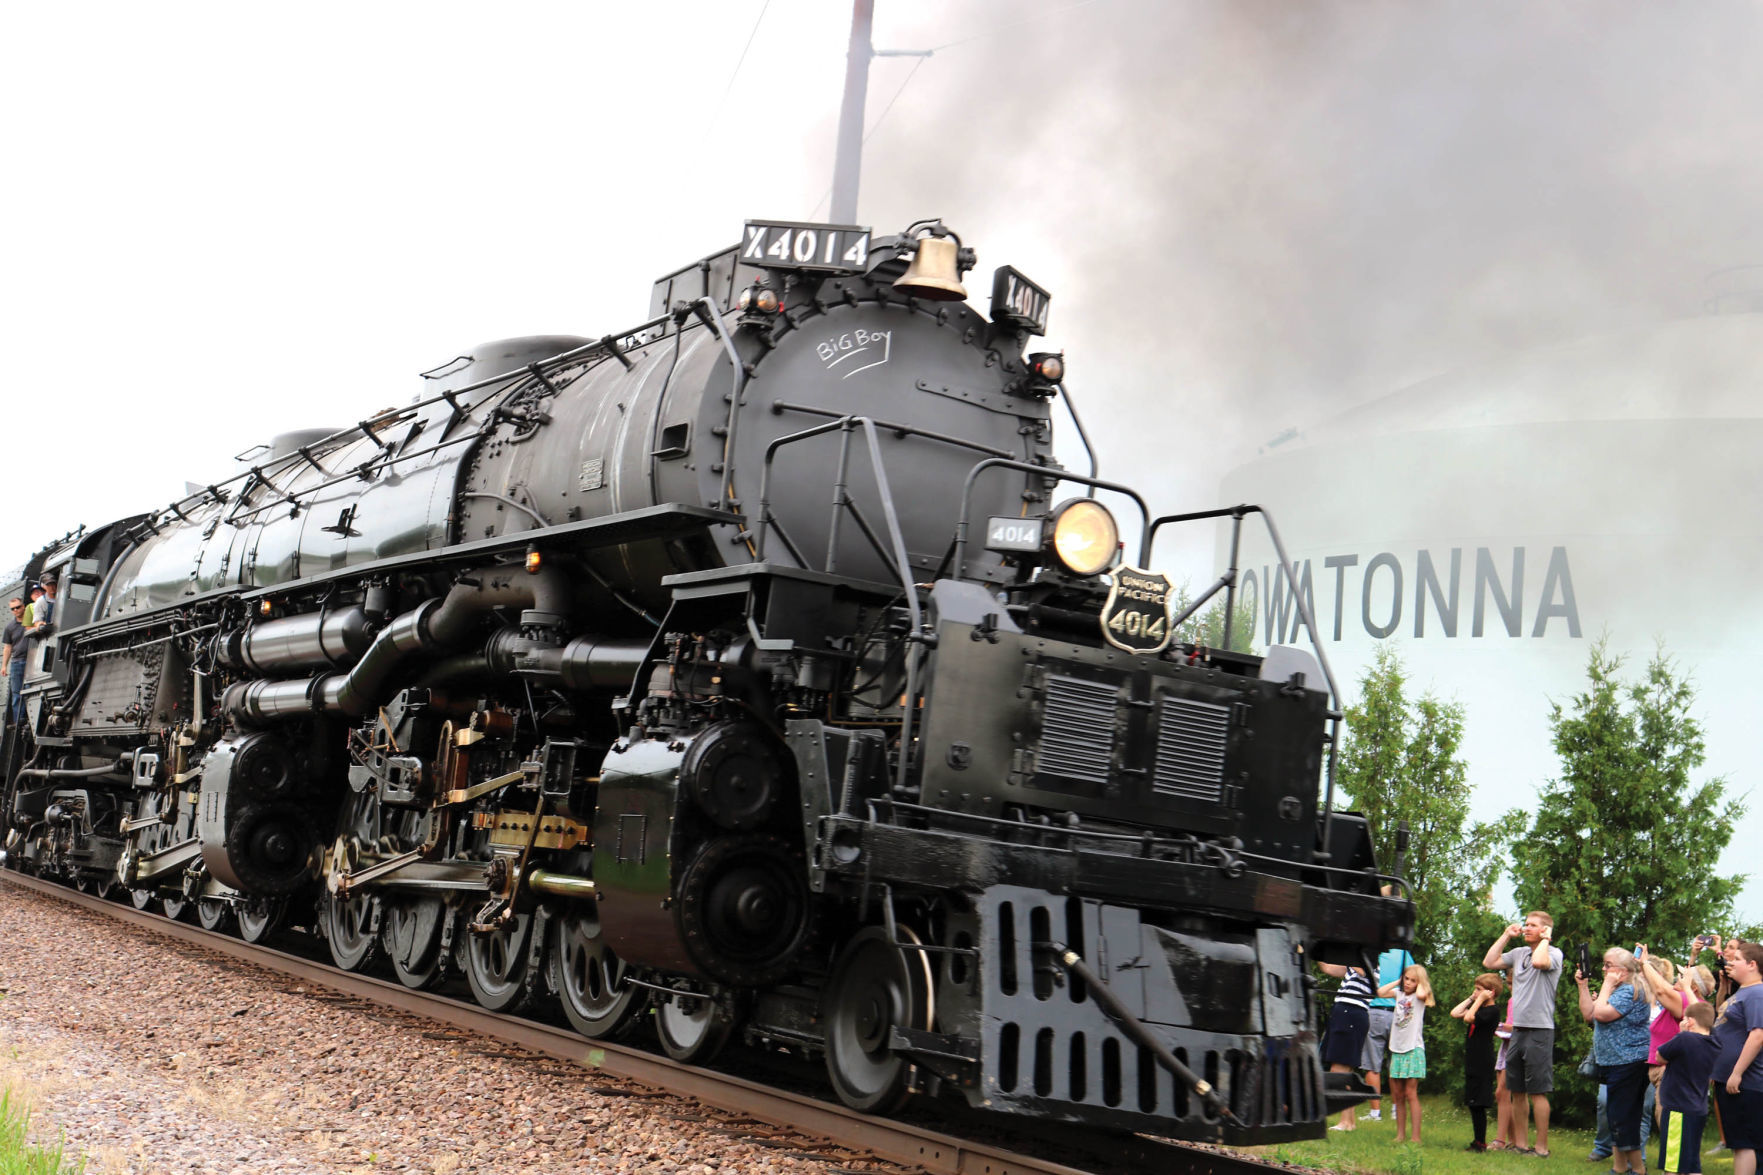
[1620, 1015]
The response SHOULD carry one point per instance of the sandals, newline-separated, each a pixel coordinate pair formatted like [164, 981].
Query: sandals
[1537, 1154]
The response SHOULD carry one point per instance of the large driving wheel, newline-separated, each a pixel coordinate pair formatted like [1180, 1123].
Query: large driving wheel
[495, 965]
[348, 929]
[693, 1028]
[412, 929]
[589, 978]
[875, 987]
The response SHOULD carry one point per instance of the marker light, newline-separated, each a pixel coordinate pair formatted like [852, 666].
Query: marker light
[1085, 537]
[1048, 366]
[760, 298]
[532, 562]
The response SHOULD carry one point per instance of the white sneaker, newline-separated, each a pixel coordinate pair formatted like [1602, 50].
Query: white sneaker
[1374, 1116]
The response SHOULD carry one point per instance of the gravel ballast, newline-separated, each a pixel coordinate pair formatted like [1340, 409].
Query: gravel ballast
[151, 1059]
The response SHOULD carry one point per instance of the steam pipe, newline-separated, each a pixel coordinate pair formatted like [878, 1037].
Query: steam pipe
[316, 640]
[507, 586]
[122, 764]
[586, 663]
[432, 625]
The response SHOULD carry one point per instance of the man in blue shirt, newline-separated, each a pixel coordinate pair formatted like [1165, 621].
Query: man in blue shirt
[1390, 966]
[1738, 1073]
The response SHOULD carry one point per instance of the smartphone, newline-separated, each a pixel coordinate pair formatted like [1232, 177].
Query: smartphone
[1641, 950]
[1585, 960]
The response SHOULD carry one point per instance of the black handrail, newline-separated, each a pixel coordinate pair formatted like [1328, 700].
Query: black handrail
[1228, 582]
[902, 564]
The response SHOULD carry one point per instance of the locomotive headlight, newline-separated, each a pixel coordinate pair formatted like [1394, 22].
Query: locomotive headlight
[1085, 537]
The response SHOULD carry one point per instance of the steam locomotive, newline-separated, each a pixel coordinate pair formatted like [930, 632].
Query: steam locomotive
[754, 673]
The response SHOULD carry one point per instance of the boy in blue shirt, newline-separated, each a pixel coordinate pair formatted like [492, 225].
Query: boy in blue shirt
[1683, 1091]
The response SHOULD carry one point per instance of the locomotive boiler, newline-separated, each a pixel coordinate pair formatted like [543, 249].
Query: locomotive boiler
[756, 673]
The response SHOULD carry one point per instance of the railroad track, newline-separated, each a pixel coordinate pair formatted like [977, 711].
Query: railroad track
[805, 1123]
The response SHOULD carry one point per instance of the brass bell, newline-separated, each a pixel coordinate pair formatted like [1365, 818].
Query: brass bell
[933, 273]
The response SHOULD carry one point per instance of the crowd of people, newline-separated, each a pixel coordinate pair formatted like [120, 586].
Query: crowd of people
[1662, 1036]
[27, 624]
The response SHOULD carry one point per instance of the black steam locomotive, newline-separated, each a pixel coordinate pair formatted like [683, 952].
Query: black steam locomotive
[755, 671]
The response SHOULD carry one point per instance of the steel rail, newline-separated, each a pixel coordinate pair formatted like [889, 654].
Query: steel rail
[834, 1124]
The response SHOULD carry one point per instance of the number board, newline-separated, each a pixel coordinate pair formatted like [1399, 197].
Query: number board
[789, 244]
[1015, 534]
[1018, 301]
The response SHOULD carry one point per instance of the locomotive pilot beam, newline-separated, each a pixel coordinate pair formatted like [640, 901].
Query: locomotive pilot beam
[658, 674]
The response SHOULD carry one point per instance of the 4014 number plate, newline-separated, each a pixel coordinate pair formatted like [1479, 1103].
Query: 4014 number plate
[789, 244]
[1136, 616]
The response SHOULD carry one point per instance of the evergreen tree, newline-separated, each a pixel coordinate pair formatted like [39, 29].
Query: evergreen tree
[1624, 841]
[1207, 628]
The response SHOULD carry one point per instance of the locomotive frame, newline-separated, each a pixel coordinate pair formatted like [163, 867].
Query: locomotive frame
[549, 706]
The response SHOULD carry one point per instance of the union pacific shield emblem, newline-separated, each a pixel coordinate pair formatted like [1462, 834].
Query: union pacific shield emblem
[1136, 616]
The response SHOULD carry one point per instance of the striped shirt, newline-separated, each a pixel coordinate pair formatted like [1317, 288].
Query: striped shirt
[1355, 989]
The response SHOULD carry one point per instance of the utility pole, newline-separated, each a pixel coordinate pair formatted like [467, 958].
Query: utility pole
[848, 164]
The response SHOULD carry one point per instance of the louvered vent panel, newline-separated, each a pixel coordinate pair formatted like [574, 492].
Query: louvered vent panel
[1190, 749]
[1077, 730]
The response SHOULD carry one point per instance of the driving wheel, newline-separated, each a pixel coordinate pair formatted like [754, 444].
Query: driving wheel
[495, 965]
[412, 931]
[589, 979]
[875, 988]
[348, 928]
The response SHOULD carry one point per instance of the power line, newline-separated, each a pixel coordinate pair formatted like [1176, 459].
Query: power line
[878, 118]
[874, 126]
[742, 59]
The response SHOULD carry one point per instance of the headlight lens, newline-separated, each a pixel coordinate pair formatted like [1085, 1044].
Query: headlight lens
[1085, 537]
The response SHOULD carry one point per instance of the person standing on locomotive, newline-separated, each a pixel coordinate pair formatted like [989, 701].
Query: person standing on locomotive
[15, 643]
[1530, 1055]
[43, 611]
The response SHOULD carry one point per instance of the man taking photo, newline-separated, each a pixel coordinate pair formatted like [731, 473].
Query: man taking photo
[1530, 1056]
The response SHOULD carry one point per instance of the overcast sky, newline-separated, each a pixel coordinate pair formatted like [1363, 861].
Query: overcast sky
[228, 220]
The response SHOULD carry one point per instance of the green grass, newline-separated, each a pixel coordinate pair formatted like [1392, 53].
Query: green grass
[1445, 1131]
[18, 1156]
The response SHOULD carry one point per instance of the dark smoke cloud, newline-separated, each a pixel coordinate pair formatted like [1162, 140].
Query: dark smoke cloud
[1262, 211]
